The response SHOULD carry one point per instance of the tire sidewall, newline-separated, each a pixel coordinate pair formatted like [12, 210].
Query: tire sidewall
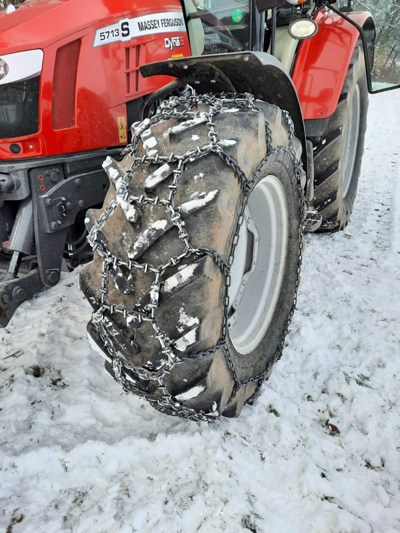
[360, 81]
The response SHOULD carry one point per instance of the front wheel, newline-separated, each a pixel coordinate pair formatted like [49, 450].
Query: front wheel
[197, 254]
[338, 153]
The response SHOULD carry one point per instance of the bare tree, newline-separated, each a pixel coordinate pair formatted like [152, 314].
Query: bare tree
[386, 14]
[5, 3]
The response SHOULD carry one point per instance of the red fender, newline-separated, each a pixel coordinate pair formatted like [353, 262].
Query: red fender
[322, 62]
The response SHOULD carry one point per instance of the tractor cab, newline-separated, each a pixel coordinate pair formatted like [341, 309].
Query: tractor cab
[281, 27]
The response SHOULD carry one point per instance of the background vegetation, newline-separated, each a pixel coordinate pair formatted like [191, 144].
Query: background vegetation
[4, 3]
[386, 14]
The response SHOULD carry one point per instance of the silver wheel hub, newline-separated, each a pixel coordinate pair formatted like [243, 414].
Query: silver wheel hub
[258, 266]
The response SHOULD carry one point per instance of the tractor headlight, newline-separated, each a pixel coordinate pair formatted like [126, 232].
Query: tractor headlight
[20, 66]
[303, 28]
[4, 69]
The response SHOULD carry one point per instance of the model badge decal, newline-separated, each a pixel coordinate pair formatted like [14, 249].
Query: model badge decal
[127, 29]
[173, 42]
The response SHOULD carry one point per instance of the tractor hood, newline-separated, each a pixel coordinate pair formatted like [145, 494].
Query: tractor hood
[39, 23]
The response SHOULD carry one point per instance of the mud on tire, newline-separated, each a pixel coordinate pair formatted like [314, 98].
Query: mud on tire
[197, 253]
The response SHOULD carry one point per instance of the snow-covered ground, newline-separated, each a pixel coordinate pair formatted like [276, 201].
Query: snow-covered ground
[318, 452]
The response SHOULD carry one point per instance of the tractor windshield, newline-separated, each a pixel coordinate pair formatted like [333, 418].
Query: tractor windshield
[226, 24]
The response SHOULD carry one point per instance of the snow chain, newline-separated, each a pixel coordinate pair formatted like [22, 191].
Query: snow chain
[138, 379]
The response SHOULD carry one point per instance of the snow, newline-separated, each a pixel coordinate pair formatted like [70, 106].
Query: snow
[116, 176]
[186, 340]
[231, 110]
[97, 349]
[199, 202]
[148, 236]
[185, 320]
[191, 393]
[111, 168]
[318, 451]
[138, 128]
[227, 142]
[130, 210]
[151, 142]
[158, 176]
[180, 278]
[187, 124]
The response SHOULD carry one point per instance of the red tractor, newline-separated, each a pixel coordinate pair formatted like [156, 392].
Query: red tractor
[198, 246]
[69, 89]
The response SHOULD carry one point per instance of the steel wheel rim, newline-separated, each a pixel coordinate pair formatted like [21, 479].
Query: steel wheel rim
[351, 141]
[258, 266]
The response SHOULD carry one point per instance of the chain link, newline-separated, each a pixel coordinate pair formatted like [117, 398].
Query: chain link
[134, 378]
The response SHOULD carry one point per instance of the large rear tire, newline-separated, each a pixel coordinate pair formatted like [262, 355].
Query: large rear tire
[338, 153]
[197, 254]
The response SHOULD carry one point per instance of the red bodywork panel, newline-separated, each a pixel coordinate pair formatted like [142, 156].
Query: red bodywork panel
[322, 63]
[88, 76]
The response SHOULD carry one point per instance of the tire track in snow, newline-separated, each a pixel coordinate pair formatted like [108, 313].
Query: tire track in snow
[376, 212]
[396, 207]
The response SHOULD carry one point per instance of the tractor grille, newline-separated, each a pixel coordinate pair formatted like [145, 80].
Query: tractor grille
[19, 103]
[132, 59]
